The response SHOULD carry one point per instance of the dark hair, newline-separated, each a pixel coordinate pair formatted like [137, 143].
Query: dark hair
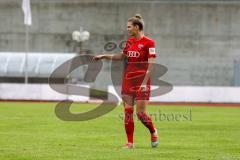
[137, 20]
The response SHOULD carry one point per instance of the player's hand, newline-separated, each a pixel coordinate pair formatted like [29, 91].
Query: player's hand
[143, 88]
[98, 57]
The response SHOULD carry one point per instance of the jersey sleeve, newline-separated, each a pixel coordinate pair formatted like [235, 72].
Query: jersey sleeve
[151, 50]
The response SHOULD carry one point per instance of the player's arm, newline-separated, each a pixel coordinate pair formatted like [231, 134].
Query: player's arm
[114, 57]
[148, 72]
[151, 60]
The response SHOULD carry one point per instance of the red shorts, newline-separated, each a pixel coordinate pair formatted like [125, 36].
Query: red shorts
[138, 95]
[131, 88]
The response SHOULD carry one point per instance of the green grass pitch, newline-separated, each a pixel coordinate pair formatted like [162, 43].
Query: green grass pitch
[31, 131]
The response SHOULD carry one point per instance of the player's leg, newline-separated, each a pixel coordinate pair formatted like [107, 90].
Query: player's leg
[146, 120]
[142, 115]
[128, 119]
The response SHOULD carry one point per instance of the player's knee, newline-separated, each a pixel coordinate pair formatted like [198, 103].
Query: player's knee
[127, 99]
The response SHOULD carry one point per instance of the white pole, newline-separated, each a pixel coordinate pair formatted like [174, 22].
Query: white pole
[26, 55]
[26, 7]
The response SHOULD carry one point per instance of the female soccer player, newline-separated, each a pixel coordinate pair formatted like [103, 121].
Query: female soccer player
[140, 52]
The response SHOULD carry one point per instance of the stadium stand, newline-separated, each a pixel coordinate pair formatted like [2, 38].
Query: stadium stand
[39, 65]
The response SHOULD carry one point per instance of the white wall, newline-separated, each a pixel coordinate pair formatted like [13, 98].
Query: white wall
[197, 94]
[41, 92]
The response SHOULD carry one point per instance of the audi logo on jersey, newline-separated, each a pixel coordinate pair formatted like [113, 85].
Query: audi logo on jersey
[133, 54]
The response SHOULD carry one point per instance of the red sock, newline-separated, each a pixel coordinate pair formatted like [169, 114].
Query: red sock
[146, 120]
[129, 124]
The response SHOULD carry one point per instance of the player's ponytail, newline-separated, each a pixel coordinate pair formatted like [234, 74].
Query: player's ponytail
[138, 16]
[137, 20]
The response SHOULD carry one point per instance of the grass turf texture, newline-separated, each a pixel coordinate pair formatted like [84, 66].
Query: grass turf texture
[31, 131]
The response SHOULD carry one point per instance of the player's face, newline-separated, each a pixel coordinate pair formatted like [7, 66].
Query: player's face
[132, 30]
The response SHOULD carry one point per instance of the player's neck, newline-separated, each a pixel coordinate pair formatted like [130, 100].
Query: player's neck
[139, 36]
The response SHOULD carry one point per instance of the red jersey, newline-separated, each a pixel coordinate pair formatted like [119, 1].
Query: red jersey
[138, 52]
